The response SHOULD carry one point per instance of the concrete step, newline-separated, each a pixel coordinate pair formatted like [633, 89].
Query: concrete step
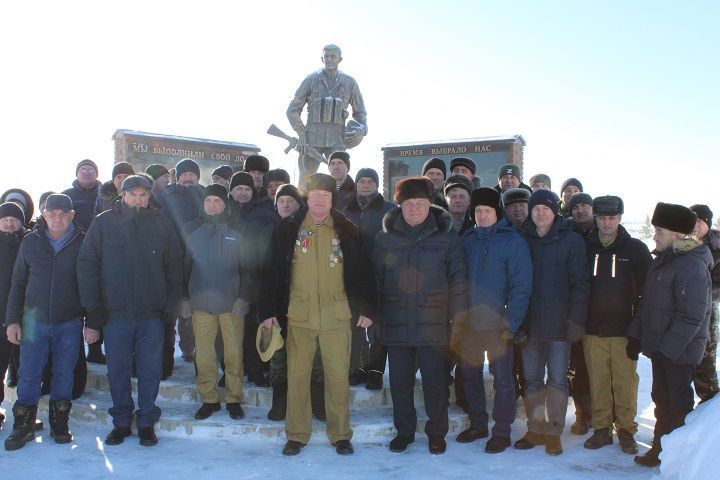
[180, 387]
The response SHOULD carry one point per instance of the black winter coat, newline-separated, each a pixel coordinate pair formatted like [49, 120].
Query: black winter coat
[105, 197]
[368, 220]
[9, 246]
[422, 279]
[181, 204]
[274, 297]
[561, 289]
[130, 264]
[83, 200]
[45, 283]
[674, 315]
[617, 275]
[345, 194]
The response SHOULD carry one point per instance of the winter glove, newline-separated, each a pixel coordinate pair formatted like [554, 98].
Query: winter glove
[632, 349]
[96, 318]
[184, 309]
[521, 338]
[574, 331]
[240, 307]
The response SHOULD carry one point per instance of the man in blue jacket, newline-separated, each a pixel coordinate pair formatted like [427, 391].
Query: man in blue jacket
[556, 317]
[499, 286]
[45, 317]
[130, 275]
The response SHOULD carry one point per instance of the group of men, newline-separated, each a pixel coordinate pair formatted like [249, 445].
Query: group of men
[551, 288]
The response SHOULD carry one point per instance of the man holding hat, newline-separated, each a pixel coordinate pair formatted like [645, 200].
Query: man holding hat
[672, 321]
[618, 265]
[515, 201]
[181, 203]
[217, 279]
[45, 317]
[130, 276]
[499, 286]
[435, 170]
[509, 176]
[422, 283]
[84, 192]
[556, 317]
[706, 381]
[317, 278]
[366, 210]
[339, 166]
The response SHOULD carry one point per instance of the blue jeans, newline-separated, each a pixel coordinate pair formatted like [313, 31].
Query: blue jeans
[501, 358]
[541, 395]
[39, 340]
[144, 339]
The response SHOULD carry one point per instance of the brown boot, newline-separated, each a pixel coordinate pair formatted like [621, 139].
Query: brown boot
[530, 440]
[553, 446]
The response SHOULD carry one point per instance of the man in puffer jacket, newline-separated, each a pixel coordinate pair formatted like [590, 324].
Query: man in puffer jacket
[422, 283]
[499, 286]
[556, 317]
[672, 321]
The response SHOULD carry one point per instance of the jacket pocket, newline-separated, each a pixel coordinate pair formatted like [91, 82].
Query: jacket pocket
[298, 310]
[342, 306]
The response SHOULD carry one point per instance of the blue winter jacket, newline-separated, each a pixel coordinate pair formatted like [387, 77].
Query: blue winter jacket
[561, 286]
[499, 277]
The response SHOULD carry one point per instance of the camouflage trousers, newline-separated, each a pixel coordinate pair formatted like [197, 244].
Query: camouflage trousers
[706, 380]
[279, 367]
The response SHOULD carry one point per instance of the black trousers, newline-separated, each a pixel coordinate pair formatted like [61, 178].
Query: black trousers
[433, 369]
[579, 381]
[672, 393]
[4, 362]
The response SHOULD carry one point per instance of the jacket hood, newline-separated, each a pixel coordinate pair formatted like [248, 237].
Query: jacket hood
[29, 209]
[443, 220]
[685, 245]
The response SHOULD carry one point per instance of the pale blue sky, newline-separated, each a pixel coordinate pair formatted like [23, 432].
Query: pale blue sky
[619, 94]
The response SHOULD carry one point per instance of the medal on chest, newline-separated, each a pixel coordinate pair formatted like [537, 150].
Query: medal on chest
[303, 239]
[336, 255]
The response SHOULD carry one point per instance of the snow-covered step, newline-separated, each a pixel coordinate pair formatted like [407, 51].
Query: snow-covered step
[180, 387]
[177, 419]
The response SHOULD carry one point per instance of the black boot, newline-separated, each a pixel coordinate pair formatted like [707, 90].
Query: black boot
[317, 400]
[279, 402]
[147, 436]
[374, 380]
[651, 458]
[23, 427]
[59, 415]
[357, 377]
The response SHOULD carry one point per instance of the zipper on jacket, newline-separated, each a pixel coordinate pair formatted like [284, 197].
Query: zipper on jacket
[485, 255]
[52, 275]
[613, 265]
[595, 266]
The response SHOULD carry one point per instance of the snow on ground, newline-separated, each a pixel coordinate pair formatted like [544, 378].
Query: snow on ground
[249, 456]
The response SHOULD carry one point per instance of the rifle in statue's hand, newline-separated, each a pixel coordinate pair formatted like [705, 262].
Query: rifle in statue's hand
[293, 144]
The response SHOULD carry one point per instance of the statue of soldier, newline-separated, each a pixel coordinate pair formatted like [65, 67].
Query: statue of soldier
[327, 93]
